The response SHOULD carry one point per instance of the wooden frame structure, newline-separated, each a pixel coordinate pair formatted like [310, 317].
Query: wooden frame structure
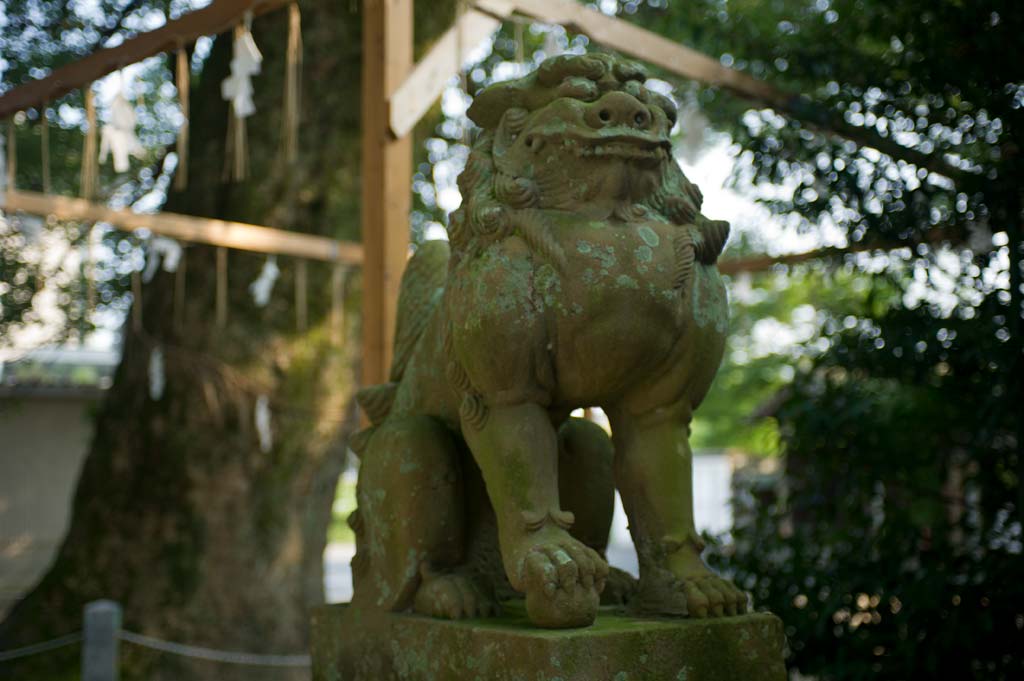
[386, 175]
[430, 76]
[216, 18]
[223, 233]
[396, 94]
[408, 99]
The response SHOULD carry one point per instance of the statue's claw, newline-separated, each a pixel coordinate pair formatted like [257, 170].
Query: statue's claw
[703, 595]
[712, 596]
[454, 596]
[563, 580]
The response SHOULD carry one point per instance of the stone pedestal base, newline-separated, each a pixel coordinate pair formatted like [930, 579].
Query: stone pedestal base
[349, 645]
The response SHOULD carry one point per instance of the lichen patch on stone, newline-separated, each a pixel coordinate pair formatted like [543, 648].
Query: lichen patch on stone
[649, 236]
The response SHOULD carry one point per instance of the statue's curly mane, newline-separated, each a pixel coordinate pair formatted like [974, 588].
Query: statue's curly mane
[497, 204]
[490, 198]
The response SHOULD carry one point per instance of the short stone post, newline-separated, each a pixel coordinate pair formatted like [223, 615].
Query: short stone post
[101, 625]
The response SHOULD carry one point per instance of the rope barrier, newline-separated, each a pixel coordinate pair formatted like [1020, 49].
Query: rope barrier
[41, 647]
[213, 655]
[209, 654]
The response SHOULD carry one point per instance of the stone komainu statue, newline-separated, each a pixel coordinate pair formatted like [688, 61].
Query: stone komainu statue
[580, 272]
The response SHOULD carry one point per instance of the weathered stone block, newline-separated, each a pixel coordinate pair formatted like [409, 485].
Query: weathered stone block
[349, 645]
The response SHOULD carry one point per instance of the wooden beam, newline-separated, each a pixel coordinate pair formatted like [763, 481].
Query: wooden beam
[683, 61]
[224, 233]
[386, 178]
[759, 263]
[220, 16]
[633, 40]
[420, 90]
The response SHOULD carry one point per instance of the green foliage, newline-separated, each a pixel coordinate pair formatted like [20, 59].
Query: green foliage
[37, 36]
[19, 278]
[891, 545]
[931, 76]
[892, 550]
[344, 505]
[771, 329]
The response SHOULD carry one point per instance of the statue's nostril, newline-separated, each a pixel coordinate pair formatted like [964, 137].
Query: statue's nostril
[618, 108]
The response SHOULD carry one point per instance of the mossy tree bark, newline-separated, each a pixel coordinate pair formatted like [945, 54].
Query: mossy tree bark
[178, 514]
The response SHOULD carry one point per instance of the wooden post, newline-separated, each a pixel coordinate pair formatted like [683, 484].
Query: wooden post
[222, 287]
[387, 173]
[101, 625]
[301, 305]
[179, 290]
[337, 304]
[136, 301]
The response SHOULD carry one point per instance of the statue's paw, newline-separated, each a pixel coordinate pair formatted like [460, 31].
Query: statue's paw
[711, 596]
[454, 596]
[702, 595]
[563, 581]
[619, 587]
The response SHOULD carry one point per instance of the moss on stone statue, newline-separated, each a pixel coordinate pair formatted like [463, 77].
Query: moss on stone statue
[364, 646]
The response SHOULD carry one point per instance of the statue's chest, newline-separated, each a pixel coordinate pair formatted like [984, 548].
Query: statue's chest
[619, 271]
[619, 308]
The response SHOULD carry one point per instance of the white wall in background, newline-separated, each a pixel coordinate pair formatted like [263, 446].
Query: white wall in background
[43, 441]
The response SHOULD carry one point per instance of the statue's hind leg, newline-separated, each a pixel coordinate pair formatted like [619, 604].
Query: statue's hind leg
[410, 523]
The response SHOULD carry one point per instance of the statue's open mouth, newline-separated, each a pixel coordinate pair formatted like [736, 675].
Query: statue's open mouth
[624, 145]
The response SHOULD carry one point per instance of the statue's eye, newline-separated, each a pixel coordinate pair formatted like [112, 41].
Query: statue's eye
[531, 142]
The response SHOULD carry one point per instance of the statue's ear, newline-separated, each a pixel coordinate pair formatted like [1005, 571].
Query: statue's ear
[510, 124]
[490, 105]
[664, 103]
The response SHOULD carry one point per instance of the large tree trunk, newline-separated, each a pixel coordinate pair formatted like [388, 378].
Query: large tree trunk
[178, 515]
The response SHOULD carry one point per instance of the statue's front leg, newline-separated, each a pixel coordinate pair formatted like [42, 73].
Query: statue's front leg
[654, 474]
[516, 448]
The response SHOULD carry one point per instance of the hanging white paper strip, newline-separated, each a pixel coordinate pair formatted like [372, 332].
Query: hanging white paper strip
[261, 415]
[3, 170]
[156, 373]
[118, 137]
[245, 63]
[30, 226]
[264, 284]
[162, 249]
